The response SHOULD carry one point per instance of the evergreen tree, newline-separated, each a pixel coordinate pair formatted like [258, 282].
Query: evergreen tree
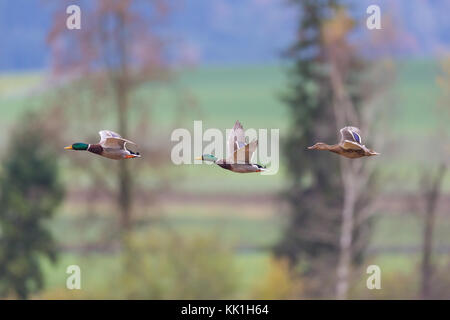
[30, 192]
[315, 194]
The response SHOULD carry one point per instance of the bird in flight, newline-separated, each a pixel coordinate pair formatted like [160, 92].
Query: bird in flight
[111, 146]
[239, 153]
[350, 145]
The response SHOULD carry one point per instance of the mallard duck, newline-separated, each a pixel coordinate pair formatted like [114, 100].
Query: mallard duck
[111, 146]
[239, 153]
[350, 145]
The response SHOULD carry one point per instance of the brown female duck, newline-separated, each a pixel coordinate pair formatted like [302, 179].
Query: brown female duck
[350, 145]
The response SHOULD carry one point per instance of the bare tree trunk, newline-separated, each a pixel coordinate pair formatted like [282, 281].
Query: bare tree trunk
[122, 90]
[124, 176]
[344, 111]
[355, 174]
[354, 177]
[346, 236]
[431, 199]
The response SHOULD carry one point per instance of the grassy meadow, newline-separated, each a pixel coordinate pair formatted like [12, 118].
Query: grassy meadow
[241, 210]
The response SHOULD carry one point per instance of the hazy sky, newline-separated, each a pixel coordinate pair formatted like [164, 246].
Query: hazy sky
[226, 31]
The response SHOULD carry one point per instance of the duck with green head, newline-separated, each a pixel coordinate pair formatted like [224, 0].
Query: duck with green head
[239, 153]
[111, 146]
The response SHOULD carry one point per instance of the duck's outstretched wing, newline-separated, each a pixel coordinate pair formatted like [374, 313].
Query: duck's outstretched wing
[104, 134]
[351, 134]
[236, 139]
[245, 154]
[110, 139]
[351, 145]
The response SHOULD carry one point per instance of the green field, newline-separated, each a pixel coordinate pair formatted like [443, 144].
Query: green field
[223, 95]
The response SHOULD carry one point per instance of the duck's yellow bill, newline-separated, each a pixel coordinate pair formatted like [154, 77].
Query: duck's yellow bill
[68, 148]
[199, 158]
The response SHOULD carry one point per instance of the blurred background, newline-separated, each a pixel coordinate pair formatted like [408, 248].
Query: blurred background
[148, 229]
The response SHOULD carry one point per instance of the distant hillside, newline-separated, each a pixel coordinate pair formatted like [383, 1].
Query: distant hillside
[224, 31]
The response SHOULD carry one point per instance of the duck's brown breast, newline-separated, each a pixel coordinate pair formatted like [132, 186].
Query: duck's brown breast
[95, 148]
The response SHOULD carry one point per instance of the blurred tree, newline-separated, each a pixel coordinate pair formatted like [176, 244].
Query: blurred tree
[431, 185]
[30, 191]
[355, 88]
[117, 49]
[314, 195]
[330, 197]
[432, 179]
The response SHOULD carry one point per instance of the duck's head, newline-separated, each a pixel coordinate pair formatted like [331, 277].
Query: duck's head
[207, 157]
[79, 146]
[319, 146]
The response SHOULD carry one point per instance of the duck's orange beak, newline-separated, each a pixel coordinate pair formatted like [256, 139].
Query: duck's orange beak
[68, 148]
[131, 156]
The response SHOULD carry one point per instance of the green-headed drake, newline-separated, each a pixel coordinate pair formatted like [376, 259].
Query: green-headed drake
[111, 146]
